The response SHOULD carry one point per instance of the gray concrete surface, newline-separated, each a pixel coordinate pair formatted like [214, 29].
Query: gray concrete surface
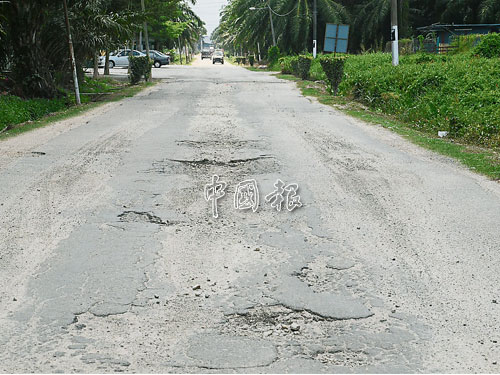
[111, 260]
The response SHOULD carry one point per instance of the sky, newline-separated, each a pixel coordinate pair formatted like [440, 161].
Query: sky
[208, 11]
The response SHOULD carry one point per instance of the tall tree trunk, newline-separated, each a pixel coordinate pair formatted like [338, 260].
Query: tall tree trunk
[106, 64]
[180, 51]
[96, 65]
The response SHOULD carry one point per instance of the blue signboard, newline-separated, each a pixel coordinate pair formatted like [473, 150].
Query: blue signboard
[336, 38]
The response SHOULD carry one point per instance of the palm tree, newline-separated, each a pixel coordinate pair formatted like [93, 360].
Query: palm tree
[292, 20]
[24, 21]
[296, 25]
[194, 29]
[490, 11]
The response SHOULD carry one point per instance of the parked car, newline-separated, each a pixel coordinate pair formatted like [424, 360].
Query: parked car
[158, 58]
[218, 56]
[120, 58]
[206, 54]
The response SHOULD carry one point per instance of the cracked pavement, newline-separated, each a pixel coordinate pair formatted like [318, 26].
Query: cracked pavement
[111, 260]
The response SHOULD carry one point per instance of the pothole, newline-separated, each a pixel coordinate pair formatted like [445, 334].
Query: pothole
[252, 165]
[340, 357]
[144, 217]
[336, 271]
[221, 144]
[274, 320]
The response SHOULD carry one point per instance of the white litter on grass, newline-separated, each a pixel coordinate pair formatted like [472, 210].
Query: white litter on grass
[442, 134]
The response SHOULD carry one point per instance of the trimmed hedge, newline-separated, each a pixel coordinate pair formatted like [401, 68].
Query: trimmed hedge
[334, 70]
[459, 94]
[139, 67]
[455, 93]
[303, 66]
[273, 55]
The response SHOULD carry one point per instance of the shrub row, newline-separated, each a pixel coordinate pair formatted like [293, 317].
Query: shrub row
[14, 110]
[243, 60]
[459, 94]
[456, 93]
[297, 65]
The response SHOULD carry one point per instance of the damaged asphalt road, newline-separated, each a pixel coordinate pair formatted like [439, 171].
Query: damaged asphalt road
[111, 260]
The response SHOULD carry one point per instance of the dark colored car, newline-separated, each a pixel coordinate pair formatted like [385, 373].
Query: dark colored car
[218, 56]
[159, 58]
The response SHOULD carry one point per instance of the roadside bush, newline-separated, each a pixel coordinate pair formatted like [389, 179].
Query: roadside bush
[139, 67]
[273, 55]
[316, 72]
[251, 60]
[303, 66]
[333, 66]
[240, 60]
[464, 43]
[405, 46]
[294, 63]
[289, 65]
[173, 55]
[459, 94]
[285, 64]
[489, 46]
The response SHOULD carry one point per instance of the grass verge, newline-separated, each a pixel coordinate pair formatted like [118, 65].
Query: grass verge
[119, 92]
[485, 161]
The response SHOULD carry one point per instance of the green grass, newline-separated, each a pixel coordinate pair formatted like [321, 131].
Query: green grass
[253, 69]
[116, 90]
[483, 160]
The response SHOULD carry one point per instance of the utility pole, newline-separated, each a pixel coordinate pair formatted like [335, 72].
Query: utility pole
[72, 55]
[394, 33]
[272, 25]
[145, 30]
[315, 28]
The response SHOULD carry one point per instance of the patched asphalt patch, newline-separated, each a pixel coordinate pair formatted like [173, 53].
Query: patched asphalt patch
[340, 264]
[226, 352]
[296, 295]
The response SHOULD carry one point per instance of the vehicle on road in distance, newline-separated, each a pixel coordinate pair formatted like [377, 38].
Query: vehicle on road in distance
[218, 56]
[158, 58]
[120, 58]
[206, 54]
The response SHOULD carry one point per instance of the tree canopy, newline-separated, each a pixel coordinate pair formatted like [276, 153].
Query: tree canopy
[33, 41]
[242, 27]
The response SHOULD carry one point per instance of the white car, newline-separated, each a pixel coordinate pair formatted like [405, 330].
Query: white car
[119, 59]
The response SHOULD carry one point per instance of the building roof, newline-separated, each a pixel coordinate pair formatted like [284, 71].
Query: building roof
[440, 27]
